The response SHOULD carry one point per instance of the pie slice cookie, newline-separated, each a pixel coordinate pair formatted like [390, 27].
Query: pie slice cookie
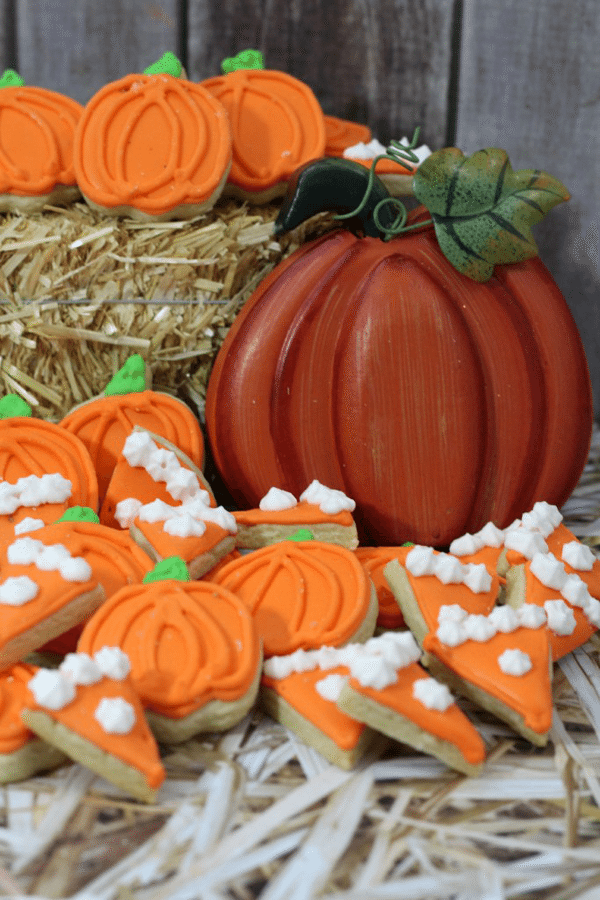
[88, 708]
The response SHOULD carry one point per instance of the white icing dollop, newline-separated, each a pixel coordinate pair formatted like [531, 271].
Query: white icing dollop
[525, 542]
[277, 499]
[514, 662]
[561, 618]
[329, 500]
[33, 490]
[420, 560]
[183, 484]
[26, 551]
[549, 570]
[432, 694]
[578, 556]
[51, 689]
[127, 511]
[115, 715]
[477, 578]
[504, 619]
[80, 668]
[531, 615]
[138, 449]
[18, 590]
[184, 526]
[113, 662]
[544, 517]
[448, 569]
[479, 628]
[331, 686]
[162, 465]
[575, 591]
[28, 524]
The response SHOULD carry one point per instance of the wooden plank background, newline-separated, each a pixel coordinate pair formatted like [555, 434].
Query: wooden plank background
[475, 73]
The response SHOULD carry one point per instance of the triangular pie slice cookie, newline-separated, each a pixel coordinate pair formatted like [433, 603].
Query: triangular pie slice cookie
[327, 513]
[89, 709]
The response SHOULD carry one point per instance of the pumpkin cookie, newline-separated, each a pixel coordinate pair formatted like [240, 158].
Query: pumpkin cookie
[327, 513]
[277, 124]
[37, 131]
[22, 753]
[153, 146]
[194, 650]
[374, 560]
[104, 423]
[303, 594]
[43, 470]
[89, 709]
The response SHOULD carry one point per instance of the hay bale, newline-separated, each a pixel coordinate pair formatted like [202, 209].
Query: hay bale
[80, 292]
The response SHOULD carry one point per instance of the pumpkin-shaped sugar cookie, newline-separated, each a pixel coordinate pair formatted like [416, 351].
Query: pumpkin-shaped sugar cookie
[194, 650]
[152, 145]
[104, 423]
[43, 470]
[303, 594]
[277, 124]
[37, 130]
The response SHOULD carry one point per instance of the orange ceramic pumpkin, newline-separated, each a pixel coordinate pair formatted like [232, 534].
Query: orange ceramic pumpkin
[438, 403]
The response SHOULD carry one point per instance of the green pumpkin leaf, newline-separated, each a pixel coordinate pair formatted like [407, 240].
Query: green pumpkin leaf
[12, 405]
[168, 64]
[79, 514]
[481, 209]
[171, 568]
[245, 59]
[130, 378]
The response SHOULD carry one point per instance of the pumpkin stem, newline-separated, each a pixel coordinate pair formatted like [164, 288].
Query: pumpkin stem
[401, 154]
[245, 59]
[168, 64]
[11, 78]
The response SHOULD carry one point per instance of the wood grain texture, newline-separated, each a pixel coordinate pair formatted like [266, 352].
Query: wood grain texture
[75, 48]
[7, 35]
[528, 83]
[383, 62]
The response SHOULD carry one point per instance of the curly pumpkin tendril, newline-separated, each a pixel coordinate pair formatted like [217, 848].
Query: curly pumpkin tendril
[399, 153]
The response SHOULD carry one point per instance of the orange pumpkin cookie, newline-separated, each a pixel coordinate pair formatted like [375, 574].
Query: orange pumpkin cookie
[326, 512]
[375, 559]
[43, 471]
[37, 130]
[277, 124]
[22, 753]
[342, 133]
[303, 594]
[153, 147]
[89, 709]
[194, 650]
[497, 657]
[104, 423]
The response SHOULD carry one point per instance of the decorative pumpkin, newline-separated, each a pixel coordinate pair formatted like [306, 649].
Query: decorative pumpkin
[437, 402]
[37, 129]
[153, 144]
[277, 124]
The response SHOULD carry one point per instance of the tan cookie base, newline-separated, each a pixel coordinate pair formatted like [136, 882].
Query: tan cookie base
[33, 757]
[126, 777]
[253, 537]
[61, 195]
[396, 726]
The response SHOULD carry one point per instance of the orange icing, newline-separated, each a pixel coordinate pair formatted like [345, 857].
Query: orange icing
[31, 446]
[152, 142]
[302, 514]
[489, 556]
[561, 644]
[341, 133]
[137, 748]
[54, 594]
[477, 662]
[298, 689]
[37, 129]
[13, 691]
[450, 725]
[188, 643]
[276, 121]
[374, 560]
[301, 594]
[103, 424]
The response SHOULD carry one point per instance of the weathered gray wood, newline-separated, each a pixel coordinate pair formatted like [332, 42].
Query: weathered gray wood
[7, 49]
[76, 47]
[529, 83]
[383, 62]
